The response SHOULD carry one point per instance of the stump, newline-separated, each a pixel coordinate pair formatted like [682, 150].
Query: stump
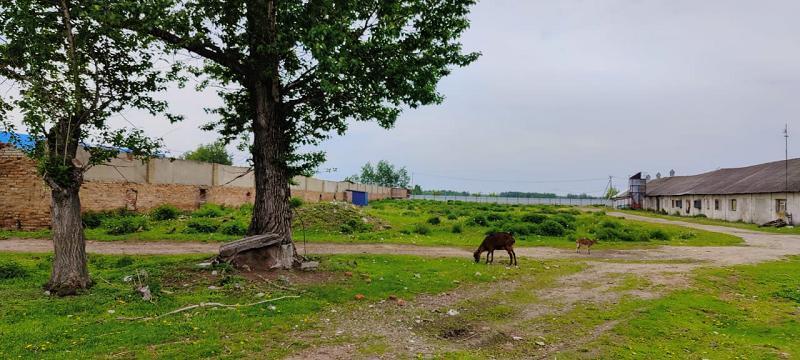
[260, 252]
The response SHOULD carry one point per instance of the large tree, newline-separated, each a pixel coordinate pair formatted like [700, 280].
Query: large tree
[211, 153]
[383, 174]
[66, 75]
[292, 72]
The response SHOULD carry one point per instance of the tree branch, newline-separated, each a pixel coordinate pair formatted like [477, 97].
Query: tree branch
[206, 50]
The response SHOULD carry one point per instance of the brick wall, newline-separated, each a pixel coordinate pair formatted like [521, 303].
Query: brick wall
[25, 198]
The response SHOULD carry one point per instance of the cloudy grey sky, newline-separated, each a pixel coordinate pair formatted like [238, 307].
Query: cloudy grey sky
[574, 90]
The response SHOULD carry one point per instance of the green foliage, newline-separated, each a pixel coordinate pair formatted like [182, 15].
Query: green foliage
[201, 225]
[295, 202]
[457, 228]
[165, 212]
[92, 219]
[125, 225]
[383, 174]
[551, 228]
[422, 229]
[330, 62]
[238, 228]
[787, 293]
[10, 269]
[211, 153]
[659, 234]
[434, 220]
[534, 218]
[352, 226]
[209, 211]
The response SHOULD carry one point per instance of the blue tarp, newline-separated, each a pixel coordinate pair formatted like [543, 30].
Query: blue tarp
[25, 141]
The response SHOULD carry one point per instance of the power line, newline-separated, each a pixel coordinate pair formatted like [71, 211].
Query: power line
[510, 180]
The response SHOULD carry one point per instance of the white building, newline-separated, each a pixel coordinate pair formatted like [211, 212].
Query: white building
[753, 194]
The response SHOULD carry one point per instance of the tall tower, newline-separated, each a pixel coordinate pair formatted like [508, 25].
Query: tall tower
[637, 189]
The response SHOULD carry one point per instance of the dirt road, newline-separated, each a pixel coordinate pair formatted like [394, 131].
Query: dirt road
[758, 247]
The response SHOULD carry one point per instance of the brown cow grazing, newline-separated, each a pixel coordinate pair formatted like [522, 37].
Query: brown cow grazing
[497, 241]
[584, 242]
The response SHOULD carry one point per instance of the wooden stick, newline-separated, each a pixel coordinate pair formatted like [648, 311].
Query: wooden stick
[209, 304]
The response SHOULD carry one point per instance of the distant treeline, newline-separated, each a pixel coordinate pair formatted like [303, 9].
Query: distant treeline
[514, 194]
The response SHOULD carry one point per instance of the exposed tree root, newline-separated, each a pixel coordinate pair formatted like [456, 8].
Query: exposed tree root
[209, 304]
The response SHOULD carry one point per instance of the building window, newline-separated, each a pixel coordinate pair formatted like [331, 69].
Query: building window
[698, 205]
[716, 204]
[733, 204]
[678, 203]
[780, 206]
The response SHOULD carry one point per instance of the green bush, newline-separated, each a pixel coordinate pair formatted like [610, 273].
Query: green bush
[125, 225]
[792, 294]
[457, 228]
[434, 220]
[209, 211]
[11, 270]
[203, 226]
[452, 216]
[165, 212]
[550, 228]
[565, 219]
[295, 202]
[93, 220]
[123, 262]
[534, 218]
[422, 229]
[479, 220]
[233, 228]
[658, 234]
[686, 235]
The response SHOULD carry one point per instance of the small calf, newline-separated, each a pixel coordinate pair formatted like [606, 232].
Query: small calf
[497, 241]
[584, 242]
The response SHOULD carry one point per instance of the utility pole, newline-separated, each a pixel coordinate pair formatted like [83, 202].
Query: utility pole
[786, 162]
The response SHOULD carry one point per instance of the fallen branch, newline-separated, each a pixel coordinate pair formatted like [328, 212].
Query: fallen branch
[281, 287]
[209, 304]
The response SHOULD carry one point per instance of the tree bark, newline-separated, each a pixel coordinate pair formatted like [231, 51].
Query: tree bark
[70, 273]
[272, 214]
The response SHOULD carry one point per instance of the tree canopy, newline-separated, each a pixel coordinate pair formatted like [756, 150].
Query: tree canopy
[211, 153]
[383, 174]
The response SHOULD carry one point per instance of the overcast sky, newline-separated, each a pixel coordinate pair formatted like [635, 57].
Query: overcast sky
[570, 90]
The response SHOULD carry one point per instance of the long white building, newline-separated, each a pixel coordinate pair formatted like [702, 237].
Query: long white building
[754, 194]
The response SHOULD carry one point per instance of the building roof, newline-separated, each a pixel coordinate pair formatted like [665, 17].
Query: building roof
[763, 178]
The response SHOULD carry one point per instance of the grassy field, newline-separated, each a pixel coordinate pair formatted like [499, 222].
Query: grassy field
[707, 221]
[400, 221]
[35, 325]
[743, 312]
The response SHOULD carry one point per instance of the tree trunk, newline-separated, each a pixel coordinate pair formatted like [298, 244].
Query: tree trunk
[70, 273]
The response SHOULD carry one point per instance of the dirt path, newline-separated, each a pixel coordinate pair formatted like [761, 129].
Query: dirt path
[760, 247]
[406, 331]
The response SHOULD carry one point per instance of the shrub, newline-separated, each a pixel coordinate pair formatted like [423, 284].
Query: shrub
[566, 220]
[452, 216]
[702, 216]
[11, 270]
[203, 226]
[295, 202]
[125, 225]
[165, 212]
[608, 224]
[457, 228]
[550, 228]
[478, 220]
[123, 262]
[534, 218]
[233, 228]
[93, 220]
[208, 211]
[658, 234]
[421, 229]
[787, 293]
[686, 235]
[434, 220]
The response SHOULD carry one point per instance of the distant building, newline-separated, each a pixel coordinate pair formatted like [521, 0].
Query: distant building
[753, 194]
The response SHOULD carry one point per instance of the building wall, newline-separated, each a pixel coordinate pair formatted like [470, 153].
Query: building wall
[141, 186]
[751, 208]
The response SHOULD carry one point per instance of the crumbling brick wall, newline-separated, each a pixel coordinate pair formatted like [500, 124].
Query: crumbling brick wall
[25, 198]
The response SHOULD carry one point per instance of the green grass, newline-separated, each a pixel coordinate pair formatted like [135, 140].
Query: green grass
[408, 222]
[708, 221]
[34, 325]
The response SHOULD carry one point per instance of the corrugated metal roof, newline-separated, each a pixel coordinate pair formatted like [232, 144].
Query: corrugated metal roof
[762, 178]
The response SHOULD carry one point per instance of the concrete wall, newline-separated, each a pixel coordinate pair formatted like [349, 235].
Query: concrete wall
[751, 208]
[129, 183]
